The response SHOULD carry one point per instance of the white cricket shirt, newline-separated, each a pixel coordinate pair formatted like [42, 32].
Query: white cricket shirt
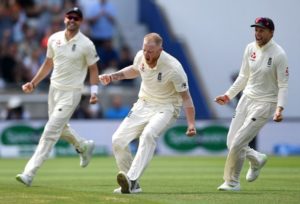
[70, 59]
[263, 75]
[163, 83]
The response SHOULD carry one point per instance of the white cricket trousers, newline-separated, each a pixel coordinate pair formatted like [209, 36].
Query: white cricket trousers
[61, 104]
[250, 117]
[146, 121]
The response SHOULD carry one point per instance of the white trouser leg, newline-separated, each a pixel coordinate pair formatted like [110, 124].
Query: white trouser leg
[257, 117]
[120, 142]
[48, 139]
[71, 136]
[60, 111]
[252, 155]
[156, 126]
[40, 155]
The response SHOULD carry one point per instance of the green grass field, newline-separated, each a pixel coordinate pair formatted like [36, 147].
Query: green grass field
[168, 180]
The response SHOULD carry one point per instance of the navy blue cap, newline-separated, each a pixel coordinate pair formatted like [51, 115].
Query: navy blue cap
[75, 10]
[264, 22]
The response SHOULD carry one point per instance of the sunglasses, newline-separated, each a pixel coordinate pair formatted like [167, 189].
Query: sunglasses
[75, 18]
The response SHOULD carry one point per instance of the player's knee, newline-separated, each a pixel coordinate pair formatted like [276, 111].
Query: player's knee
[53, 129]
[149, 137]
[118, 143]
[235, 147]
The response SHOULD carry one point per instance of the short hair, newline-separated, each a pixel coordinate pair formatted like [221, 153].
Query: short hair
[153, 38]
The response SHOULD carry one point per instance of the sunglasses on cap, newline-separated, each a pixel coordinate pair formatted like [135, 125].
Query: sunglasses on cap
[75, 18]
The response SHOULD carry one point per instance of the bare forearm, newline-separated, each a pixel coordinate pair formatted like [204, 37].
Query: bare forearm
[93, 70]
[125, 73]
[42, 72]
[189, 108]
[190, 115]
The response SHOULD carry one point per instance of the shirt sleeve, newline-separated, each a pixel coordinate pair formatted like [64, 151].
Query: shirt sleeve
[282, 79]
[50, 52]
[242, 79]
[180, 80]
[137, 60]
[91, 54]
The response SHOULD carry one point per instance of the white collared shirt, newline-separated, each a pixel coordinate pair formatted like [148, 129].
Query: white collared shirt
[70, 59]
[163, 83]
[263, 75]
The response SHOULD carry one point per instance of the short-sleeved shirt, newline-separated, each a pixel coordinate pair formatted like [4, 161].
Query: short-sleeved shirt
[162, 83]
[70, 59]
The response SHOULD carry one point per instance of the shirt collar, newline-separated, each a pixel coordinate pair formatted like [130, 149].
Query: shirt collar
[75, 38]
[266, 46]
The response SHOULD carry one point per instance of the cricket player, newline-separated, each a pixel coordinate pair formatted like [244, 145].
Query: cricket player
[164, 88]
[70, 54]
[263, 78]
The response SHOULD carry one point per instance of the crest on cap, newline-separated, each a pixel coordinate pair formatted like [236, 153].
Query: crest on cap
[75, 10]
[264, 22]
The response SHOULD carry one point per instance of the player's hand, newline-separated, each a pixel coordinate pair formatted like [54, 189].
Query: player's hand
[191, 131]
[105, 79]
[278, 115]
[93, 99]
[222, 100]
[28, 87]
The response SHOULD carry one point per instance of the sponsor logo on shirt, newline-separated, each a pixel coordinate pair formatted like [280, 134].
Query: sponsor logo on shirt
[253, 56]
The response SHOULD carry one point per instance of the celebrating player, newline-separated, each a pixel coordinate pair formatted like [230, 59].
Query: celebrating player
[71, 55]
[164, 88]
[264, 80]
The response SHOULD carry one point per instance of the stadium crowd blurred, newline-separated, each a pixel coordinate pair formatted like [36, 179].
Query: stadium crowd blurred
[25, 26]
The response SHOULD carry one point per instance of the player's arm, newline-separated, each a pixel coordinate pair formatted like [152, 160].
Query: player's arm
[239, 83]
[94, 81]
[44, 70]
[189, 110]
[125, 73]
[282, 81]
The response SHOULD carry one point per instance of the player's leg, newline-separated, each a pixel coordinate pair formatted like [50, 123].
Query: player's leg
[83, 146]
[147, 144]
[130, 129]
[236, 123]
[62, 112]
[256, 159]
[237, 152]
[237, 119]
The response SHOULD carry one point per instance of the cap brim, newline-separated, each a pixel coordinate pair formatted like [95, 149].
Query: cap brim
[259, 25]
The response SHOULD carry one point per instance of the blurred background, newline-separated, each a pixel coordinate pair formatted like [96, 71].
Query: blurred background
[207, 36]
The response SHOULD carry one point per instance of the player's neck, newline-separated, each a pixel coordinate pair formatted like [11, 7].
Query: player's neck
[70, 34]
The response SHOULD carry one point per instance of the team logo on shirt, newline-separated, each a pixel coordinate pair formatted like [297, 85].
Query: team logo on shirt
[253, 56]
[73, 47]
[269, 61]
[159, 76]
[184, 85]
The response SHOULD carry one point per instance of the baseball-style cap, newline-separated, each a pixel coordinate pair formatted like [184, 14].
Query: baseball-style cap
[264, 22]
[75, 10]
